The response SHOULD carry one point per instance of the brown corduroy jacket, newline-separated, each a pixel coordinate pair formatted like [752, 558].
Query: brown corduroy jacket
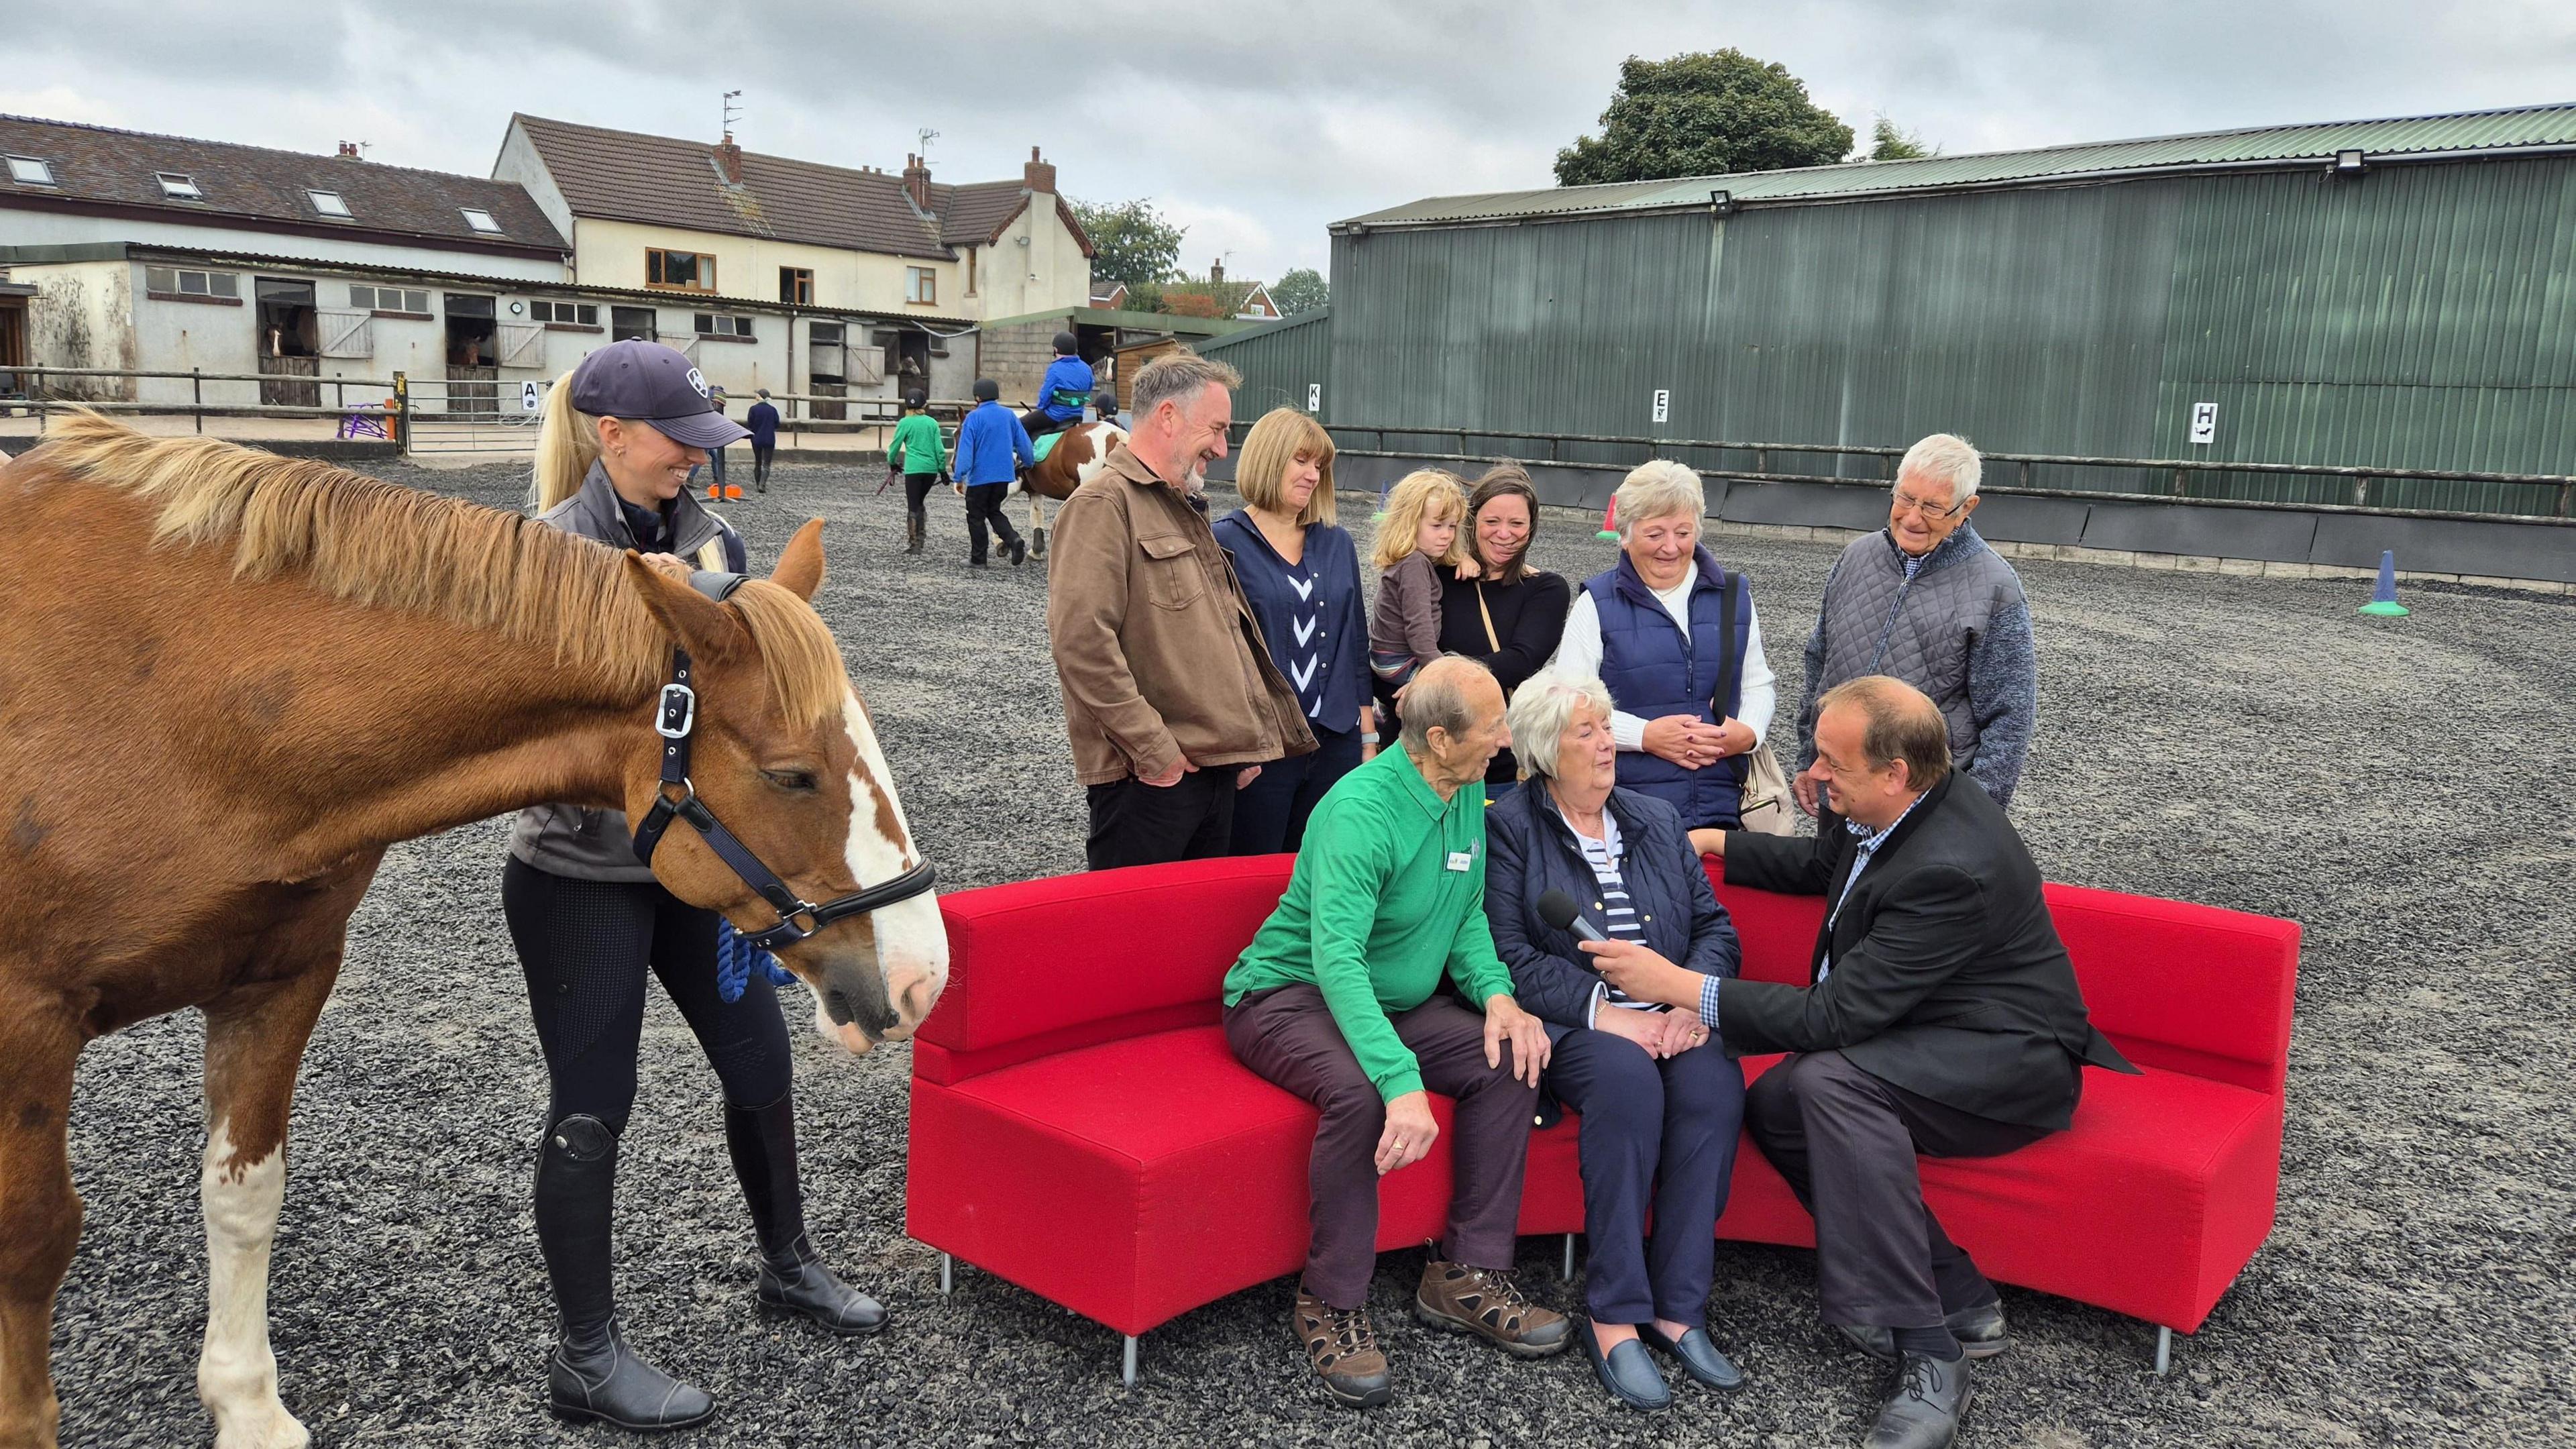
[1155, 646]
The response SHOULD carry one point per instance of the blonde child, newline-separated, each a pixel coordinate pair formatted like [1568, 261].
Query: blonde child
[1418, 537]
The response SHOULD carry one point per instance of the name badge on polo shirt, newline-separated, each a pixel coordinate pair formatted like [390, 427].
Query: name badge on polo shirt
[1461, 859]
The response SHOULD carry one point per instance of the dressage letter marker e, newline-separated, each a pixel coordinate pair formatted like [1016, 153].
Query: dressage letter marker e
[2204, 423]
[531, 398]
[1663, 403]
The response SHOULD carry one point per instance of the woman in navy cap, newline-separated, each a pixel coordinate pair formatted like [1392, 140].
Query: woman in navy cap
[621, 433]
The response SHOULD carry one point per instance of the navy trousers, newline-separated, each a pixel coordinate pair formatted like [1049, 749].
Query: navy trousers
[1653, 1131]
[1270, 813]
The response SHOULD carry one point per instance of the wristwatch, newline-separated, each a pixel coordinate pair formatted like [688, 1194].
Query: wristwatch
[1368, 737]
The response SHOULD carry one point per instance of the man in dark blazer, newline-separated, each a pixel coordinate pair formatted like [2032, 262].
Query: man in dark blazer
[1942, 1019]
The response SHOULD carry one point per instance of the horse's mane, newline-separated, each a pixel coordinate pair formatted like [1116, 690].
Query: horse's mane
[386, 546]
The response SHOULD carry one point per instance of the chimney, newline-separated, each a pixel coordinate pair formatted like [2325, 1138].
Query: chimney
[1039, 174]
[729, 160]
[916, 181]
[350, 150]
[1216, 272]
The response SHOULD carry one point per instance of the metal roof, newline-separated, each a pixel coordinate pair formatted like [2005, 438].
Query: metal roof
[2491, 132]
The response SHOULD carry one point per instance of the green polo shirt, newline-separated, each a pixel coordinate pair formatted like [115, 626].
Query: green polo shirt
[1389, 890]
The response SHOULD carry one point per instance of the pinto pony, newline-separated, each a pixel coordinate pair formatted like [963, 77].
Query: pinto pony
[237, 678]
[1079, 455]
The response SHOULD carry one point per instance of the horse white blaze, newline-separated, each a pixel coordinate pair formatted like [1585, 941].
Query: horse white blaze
[912, 944]
[237, 1375]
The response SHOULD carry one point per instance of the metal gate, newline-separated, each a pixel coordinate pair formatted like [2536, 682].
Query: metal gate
[474, 416]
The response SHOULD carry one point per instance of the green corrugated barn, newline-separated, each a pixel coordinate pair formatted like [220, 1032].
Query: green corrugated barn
[2386, 294]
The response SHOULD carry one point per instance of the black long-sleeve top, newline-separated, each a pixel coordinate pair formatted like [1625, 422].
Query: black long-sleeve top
[1529, 619]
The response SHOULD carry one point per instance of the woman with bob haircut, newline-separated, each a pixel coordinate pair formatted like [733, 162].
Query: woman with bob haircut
[1301, 575]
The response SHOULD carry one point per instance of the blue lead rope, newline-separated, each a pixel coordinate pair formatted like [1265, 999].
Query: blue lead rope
[735, 959]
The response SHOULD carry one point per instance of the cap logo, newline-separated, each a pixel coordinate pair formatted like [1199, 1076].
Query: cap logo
[698, 380]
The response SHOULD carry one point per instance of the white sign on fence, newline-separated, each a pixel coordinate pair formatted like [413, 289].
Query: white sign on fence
[532, 398]
[2204, 423]
[1314, 397]
[1663, 403]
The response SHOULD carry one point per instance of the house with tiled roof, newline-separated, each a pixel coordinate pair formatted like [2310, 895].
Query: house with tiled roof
[717, 223]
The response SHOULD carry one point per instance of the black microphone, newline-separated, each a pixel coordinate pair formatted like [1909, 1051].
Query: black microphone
[1558, 910]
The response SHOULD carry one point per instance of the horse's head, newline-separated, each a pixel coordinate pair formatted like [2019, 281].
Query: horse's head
[785, 757]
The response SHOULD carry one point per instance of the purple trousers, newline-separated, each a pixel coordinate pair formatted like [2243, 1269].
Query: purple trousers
[1288, 1035]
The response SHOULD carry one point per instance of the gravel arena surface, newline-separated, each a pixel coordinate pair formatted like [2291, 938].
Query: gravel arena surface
[2251, 743]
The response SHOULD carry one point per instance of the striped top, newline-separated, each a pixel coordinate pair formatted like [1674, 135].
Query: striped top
[1301, 653]
[1620, 921]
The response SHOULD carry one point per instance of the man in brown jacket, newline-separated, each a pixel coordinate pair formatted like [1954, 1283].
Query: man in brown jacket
[1170, 697]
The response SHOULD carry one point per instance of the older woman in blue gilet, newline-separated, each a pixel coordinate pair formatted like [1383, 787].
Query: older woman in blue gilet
[1676, 639]
[1661, 1101]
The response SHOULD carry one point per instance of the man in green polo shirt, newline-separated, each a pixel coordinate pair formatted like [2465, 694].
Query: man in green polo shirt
[1337, 1000]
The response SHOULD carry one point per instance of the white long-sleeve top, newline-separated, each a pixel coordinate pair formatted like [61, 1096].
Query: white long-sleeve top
[1578, 656]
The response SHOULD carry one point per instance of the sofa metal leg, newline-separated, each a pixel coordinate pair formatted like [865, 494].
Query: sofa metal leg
[945, 1282]
[1566, 1273]
[2164, 1350]
[1127, 1371]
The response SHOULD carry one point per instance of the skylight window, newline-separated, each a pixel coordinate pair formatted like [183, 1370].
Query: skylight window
[329, 203]
[29, 171]
[178, 187]
[481, 220]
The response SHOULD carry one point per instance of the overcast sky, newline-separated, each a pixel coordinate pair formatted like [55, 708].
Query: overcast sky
[1254, 137]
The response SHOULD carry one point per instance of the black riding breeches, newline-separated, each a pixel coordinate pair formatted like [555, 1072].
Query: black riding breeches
[586, 947]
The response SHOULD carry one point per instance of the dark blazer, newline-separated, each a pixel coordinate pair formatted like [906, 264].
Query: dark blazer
[1948, 978]
[1530, 850]
[1334, 562]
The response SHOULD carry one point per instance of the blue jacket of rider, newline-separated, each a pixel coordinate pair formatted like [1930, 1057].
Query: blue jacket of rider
[1065, 377]
[992, 447]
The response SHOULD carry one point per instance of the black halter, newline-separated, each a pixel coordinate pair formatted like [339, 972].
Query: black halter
[677, 717]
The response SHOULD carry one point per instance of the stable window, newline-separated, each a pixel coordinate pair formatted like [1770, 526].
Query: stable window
[695, 271]
[329, 204]
[568, 314]
[721, 325]
[172, 281]
[28, 171]
[796, 285]
[178, 186]
[388, 299]
[920, 286]
[479, 219]
[626, 322]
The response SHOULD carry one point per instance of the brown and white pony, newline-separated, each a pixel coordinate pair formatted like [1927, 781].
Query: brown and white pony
[235, 681]
[1079, 456]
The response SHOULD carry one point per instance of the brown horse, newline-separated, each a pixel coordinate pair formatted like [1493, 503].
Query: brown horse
[237, 679]
[1079, 455]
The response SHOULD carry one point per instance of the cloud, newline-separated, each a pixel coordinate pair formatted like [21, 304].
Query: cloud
[1257, 129]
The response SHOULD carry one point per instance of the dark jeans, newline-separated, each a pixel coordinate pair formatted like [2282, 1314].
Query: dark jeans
[1270, 813]
[1847, 1143]
[1659, 1133]
[586, 947]
[1287, 1035]
[715, 464]
[983, 511]
[1133, 823]
[761, 453]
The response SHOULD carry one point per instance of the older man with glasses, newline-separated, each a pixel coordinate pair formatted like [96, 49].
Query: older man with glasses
[1925, 600]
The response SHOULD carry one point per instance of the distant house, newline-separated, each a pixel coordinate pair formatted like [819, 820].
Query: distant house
[1109, 295]
[688, 219]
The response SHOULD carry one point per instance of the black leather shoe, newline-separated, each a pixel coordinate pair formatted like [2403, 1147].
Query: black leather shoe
[1019, 552]
[1698, 1355]
[1929, 1402]
[797, 1282]
[1628, 1372]
[1981, 1333]
[593, 1375]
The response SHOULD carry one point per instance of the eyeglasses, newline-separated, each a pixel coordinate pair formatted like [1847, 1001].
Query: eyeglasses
[1916, 505]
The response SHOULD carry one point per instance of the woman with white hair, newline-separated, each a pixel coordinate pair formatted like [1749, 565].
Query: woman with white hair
[1660, 1099]
[1676, 639]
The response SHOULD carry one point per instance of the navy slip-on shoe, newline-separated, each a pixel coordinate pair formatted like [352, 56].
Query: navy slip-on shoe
[1628, 1373]
[1698, 1354]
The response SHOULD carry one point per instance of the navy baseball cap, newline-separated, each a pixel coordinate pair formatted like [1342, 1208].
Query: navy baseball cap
[646, 382]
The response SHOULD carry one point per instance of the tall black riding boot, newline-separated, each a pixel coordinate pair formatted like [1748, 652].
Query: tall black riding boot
[916, 530]
[792, 1275]
[592, 1374]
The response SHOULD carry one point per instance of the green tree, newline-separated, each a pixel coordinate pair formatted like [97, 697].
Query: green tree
[1890, 142]
[1131, 242]
[1704, 114]
[1301, 289]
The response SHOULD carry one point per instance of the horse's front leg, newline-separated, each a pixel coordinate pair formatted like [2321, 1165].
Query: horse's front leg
[255, 1039]
[40, 1213]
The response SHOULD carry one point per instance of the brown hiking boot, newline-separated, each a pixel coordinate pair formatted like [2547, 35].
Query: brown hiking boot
[1486, 1301]
[1344, 1349]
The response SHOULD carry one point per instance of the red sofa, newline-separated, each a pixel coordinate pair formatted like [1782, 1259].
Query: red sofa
[1079, 1128]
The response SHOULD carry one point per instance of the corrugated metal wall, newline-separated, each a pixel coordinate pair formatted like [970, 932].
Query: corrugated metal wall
[1279, 361]
[2421, 315]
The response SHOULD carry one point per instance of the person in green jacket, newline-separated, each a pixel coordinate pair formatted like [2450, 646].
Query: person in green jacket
[916, 453]
[1338, 1000]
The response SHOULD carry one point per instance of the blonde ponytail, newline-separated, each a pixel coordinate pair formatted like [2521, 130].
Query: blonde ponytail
[567, 444]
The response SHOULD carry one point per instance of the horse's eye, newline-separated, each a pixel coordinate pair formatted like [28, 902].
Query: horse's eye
[790, 779]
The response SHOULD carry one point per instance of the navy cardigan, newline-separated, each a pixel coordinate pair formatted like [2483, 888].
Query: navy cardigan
[1531, 850]
[1335, 563]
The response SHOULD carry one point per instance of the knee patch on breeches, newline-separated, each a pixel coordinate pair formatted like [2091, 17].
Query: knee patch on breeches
[582, 1137]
